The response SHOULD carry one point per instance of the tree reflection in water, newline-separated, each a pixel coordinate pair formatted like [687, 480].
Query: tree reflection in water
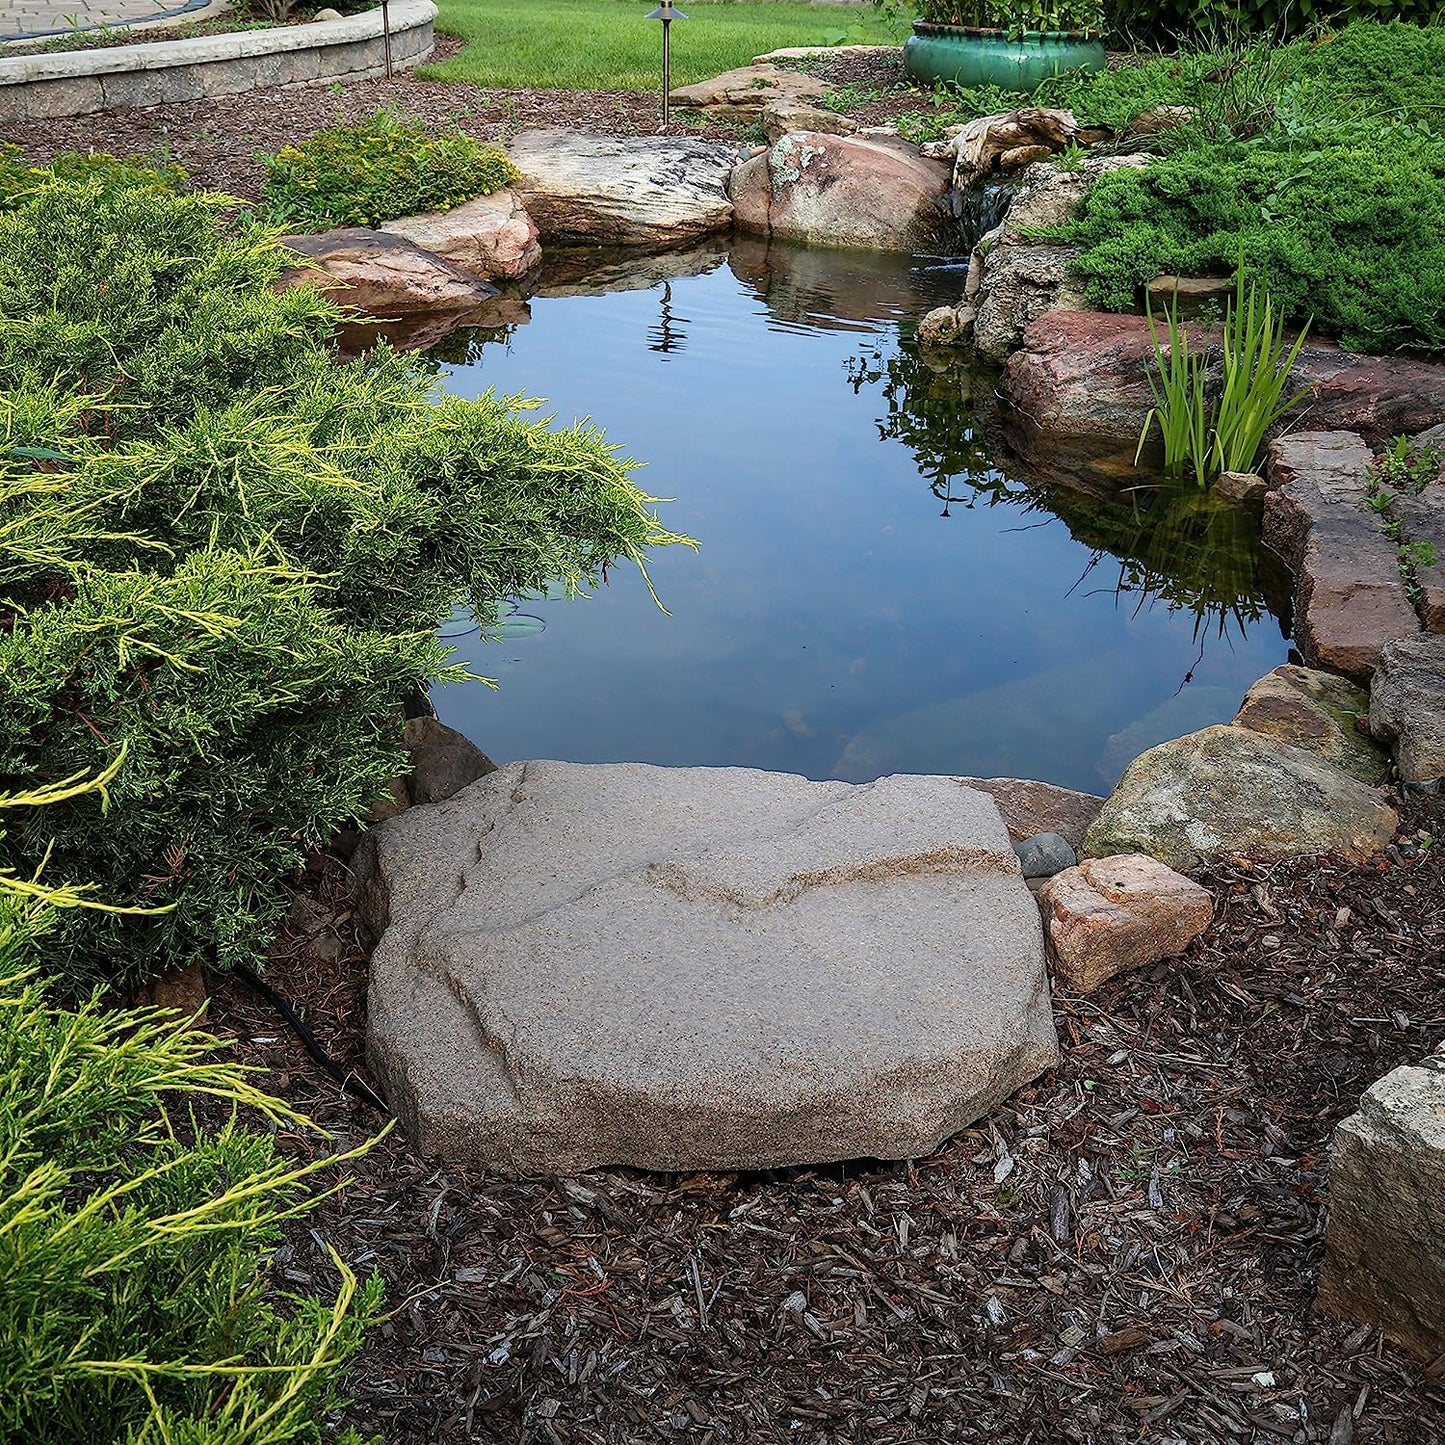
[1174, 544]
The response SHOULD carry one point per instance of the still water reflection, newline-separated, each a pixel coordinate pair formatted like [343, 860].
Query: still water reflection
[879, 588]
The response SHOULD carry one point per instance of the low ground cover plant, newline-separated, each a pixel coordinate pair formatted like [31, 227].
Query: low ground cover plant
[384, 168]
[1322, 160]
[227, 552]
[133, 1240]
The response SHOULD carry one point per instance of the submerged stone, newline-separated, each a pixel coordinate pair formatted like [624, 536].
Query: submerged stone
[696, 968]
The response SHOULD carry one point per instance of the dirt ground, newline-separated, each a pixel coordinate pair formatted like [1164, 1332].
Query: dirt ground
[1126, 1251]
[218, 141]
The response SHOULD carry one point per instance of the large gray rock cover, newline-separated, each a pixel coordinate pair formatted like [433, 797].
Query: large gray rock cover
[594, 190]
[688, 968]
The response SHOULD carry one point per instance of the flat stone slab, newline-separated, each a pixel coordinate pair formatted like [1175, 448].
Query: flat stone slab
[595, 190]
[1350, 597]
[1030, 808]
[1086, 374]
[1385, 1227]
[699, 968]
[742, 94]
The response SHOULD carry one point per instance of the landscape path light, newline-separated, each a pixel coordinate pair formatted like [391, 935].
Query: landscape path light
[667, 12]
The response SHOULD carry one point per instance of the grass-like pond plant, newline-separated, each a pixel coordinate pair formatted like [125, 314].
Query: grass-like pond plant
[1208, 429]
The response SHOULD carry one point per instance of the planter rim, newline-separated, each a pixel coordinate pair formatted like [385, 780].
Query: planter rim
[935, 27]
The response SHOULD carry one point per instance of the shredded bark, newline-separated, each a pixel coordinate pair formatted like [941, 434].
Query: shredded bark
[219, 142]
[1125, 1250]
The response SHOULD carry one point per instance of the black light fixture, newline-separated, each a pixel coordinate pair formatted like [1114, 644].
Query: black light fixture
[667, 12]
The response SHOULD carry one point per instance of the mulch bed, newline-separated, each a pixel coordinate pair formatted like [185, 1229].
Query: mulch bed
[218, 141]
[1126, 1251]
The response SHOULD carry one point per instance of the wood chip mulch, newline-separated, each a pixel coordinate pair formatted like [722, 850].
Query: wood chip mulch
[1127, 1250]
[218, 141]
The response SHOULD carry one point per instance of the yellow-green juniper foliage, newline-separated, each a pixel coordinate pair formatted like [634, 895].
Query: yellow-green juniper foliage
[228, 551]
[133, 1243]
[387, 167]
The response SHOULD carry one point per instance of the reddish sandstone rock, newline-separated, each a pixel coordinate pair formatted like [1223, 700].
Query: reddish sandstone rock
[1030, 808]
[1083, 373]
[384, 276]
[492, 237]
[1109, 915]
[831, 190]
[1350, 598]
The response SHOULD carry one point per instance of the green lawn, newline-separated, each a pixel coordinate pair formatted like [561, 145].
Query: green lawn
[610, 45]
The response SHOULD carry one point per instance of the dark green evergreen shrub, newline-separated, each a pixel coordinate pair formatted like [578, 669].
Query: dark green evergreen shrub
[1352, 234]
[386, 167]
[227, 552]
[1170, 21]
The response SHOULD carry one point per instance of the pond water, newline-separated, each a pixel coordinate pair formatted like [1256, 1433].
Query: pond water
[883, 584]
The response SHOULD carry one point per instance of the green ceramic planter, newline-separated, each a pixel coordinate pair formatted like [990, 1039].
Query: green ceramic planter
[1019, 62]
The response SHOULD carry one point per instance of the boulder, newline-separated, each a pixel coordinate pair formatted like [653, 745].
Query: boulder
[699, 968]
[492, 236]
[443, 762]
[1018, 277]
[1110, 915]
[1407, 706]
[1005, 142]
[1083, 373]
[1030, 808]
[745, 93]
[1246, 488]
[834, 190]
[1350, 596]
[378, 275]
[1316, 711]
[1385, 1227]
[1227, 790]
[593, 190]
[1043, 855]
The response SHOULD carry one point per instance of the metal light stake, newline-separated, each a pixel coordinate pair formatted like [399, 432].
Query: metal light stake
[667, 13]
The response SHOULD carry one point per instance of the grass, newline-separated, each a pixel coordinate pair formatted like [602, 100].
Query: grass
[611, 45]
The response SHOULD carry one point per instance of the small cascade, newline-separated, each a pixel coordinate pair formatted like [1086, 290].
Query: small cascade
[981, 207]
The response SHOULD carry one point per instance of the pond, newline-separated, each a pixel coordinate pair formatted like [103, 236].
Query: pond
[886, 581]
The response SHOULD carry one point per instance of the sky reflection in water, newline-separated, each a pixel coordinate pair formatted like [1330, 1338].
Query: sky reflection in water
[872, 595]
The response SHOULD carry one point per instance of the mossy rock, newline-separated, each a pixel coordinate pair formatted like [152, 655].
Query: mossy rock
[1316, 711]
